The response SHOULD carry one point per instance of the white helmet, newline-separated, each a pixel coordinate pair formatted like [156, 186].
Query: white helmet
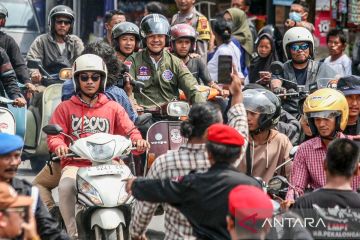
[92, 63]
[297, 34]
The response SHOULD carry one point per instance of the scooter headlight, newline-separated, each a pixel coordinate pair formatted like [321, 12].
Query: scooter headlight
[178, 109]
[103, 151]
[89, 191]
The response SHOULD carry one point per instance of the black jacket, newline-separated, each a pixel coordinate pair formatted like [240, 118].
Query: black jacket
[202, 197]
[16, 59]
[8, 82]
[47, 227]
[199, 70]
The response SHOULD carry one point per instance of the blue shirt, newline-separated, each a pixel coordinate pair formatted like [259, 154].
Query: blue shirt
[113, 92]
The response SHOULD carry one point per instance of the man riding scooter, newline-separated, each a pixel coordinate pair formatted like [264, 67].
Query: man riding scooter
[8, 82]
[183, 42]
[161, 72]
[58, 48]
[327, 113]
[86, 113]
[301, 69]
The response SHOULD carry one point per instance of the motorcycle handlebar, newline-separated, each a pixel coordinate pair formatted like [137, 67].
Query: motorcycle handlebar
[56, 159]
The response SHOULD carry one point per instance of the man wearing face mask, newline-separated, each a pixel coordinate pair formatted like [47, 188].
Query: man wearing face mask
[299, 12]
[301, 69]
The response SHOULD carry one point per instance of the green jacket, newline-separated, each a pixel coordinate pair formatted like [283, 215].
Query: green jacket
[162, 84]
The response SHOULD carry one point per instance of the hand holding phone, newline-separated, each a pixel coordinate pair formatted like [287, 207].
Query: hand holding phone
[265, 77]
[224, 69]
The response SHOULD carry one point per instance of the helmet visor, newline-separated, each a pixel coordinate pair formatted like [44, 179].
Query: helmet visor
[258, 104]
[156, 28]
[323, 114]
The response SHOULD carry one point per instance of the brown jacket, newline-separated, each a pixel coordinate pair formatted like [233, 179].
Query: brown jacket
[266, 157]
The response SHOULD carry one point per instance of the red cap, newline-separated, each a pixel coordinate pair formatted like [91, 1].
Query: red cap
[224, 134]
[246, 201]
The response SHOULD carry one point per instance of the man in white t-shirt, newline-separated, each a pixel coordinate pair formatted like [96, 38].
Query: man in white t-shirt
[338, 60]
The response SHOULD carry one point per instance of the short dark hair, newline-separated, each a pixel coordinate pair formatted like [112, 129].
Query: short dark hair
[342, 157]
[108, 15]
[303, 3]
[200, 117]
[336, 33]
[107, 53]
[223, 153]
[156, 7]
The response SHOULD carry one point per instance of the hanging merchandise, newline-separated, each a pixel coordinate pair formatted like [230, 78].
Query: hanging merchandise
[354, 12]
[334, 9]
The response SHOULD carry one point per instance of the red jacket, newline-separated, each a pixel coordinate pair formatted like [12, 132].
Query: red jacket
[79, 120]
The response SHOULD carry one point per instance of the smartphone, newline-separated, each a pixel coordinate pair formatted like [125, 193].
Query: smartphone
[224, 69]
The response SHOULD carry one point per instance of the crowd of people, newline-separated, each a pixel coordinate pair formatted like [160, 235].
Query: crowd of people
[212, 187]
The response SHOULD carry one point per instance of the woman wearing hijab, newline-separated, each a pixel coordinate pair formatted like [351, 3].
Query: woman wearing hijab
[241, 31]
[259, 71]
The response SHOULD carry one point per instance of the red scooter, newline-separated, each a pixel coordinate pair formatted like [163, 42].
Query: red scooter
[164, 135]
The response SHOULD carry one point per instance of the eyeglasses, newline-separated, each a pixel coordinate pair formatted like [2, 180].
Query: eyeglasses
[65, 22]
[85, 77]
[296, 47]
[20, 210]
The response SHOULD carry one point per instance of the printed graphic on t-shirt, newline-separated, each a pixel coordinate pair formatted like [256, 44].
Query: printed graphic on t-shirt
[81, 125]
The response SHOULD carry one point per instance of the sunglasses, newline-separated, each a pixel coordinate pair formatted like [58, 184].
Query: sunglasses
[65, 22]
[297, 47]
[95, 77]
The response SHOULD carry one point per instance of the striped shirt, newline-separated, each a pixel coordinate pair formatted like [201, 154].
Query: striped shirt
[190, 157]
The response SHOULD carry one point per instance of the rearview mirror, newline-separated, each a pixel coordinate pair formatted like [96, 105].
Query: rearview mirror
[34, 63]
[52, 129]
[293, 151]
[277, 68]
[65, 74]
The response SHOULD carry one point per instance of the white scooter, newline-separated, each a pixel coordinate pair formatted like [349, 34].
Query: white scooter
[35, 148]
[7, 119]
[104, 203]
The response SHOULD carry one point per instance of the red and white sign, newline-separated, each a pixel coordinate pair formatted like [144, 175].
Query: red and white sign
[322, 25]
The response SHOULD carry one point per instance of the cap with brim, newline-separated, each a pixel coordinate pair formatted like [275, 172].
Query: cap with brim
[353, 91]
[349, 85]
[10, 143]
[10, 199]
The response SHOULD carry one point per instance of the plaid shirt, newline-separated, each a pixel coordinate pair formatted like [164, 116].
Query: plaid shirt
[308, 168]
[189, 157]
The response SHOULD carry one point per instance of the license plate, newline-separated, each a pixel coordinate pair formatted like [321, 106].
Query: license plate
[104, 170]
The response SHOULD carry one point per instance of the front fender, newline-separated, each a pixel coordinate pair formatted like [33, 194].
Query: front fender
[107, 218]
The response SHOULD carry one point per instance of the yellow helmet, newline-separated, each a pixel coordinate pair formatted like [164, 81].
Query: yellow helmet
[326, 103]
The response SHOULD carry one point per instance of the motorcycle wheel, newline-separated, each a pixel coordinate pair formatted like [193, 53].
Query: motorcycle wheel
[37, 163]
[113, 234]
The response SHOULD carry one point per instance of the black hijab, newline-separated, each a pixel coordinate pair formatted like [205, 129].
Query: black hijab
[259, 63]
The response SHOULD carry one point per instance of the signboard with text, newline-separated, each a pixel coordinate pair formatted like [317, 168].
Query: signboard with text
[322, 25]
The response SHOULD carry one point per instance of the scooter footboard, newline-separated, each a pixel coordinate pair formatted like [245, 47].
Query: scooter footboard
[107, 218]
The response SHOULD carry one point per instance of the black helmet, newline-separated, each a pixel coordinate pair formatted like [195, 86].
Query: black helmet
[266, 103]
[154, 24]
[3, 10]
[124, 28]
[60, 10]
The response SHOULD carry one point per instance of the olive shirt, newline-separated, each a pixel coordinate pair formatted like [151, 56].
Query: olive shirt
[162, 82]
